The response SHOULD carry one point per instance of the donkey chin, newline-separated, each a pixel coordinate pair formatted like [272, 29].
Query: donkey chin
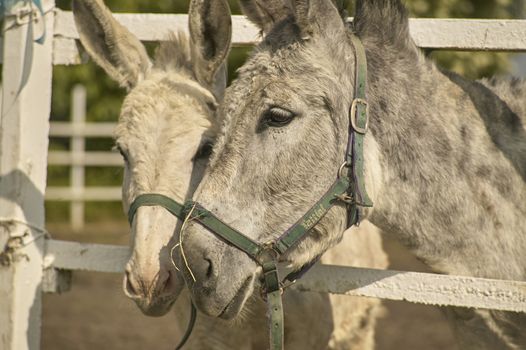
[226, 301]
[156, 308]
[153, 305]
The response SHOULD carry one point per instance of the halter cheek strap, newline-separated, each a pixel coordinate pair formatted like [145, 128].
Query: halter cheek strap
[358, 127]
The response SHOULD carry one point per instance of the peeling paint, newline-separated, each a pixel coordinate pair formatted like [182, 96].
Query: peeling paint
[423, 288]
[9, 255]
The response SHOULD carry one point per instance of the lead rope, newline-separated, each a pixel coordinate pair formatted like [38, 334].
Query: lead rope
[189, 328]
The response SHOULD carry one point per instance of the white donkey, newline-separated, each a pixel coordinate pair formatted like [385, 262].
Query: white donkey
[164, 134]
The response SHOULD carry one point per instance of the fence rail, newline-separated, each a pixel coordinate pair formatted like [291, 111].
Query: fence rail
[424, 288]
[67, 129]
[450, 34]
[84, 194]
[84, 158]
[22, 213]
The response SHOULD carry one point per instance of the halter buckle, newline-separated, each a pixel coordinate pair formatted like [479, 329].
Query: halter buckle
[354, 124]
[284, 285]
[263, 293]
[340, 169]
[346, 198]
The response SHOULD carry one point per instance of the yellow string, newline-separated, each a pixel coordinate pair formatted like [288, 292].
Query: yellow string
[180, 244]
[172, 256]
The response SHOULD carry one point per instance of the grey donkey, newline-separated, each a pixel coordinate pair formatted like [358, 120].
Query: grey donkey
[164, 132]
[445, 160]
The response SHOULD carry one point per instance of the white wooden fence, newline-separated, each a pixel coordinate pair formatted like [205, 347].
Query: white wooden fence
[30, 261]
[77, 159]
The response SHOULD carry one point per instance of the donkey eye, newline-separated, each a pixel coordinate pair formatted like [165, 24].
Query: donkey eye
[212, 106]
[278, 117]
[122, 152]
[204, 151]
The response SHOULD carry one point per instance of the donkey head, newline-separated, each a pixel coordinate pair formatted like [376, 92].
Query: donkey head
[164, 131]
[286, 129]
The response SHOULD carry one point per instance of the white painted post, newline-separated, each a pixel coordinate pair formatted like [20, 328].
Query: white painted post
[24, 127]
[78, 119]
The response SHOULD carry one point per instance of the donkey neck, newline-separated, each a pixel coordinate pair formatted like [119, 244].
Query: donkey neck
[449, 191]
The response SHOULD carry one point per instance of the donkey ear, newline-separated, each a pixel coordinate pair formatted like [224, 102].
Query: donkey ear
[265, 13]
[386, 20]
[211, 34]
[315, 17]
[109, 43]
[220, 81]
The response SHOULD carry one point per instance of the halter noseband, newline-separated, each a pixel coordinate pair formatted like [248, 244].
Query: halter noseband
[349, 189]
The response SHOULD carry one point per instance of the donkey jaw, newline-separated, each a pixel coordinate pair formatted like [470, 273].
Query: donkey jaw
[234, 307]
[221, 306]
[154, 304]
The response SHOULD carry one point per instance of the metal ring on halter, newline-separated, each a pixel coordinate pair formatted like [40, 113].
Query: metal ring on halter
[353, 115]
[268, 252]
[285, 285]
[340, 170]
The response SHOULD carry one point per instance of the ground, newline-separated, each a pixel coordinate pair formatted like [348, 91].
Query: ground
[95, 314]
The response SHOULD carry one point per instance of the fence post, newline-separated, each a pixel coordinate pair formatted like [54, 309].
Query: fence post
[24, 126]
[78, 120]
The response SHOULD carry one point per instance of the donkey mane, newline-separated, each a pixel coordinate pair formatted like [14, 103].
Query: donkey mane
[503, 110]
[385, 21]
[174, 54]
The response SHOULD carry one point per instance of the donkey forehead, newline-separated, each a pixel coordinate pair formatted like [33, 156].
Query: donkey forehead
[177, 107]
[173, 87]
[288, 77]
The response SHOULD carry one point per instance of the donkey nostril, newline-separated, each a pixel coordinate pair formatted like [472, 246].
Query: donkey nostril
[129, 286]
[164, 282]
[209, 270]
[201, 268]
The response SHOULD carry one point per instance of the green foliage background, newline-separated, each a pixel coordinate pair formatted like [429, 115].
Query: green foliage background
[105, 97]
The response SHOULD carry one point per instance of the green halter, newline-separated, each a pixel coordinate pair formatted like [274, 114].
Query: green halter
[349, 189]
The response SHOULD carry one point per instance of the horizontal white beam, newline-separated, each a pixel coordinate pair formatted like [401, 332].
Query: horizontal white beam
[87, 257]
[451, 34]
[67, 129]
[84, 158]
[469, 34]
[423, 288]
[84, 194]
[157, 26]
[147, 27]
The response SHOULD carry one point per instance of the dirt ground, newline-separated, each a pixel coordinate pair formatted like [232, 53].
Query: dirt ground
[95, 314]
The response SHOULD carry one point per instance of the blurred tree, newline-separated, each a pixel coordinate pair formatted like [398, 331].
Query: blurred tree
[470, 64]
[105, 97]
